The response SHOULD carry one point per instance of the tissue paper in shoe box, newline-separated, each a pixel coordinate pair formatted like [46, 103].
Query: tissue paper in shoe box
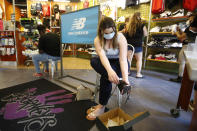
[119, 120]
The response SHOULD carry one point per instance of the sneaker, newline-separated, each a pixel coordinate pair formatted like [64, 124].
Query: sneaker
[189, 13]
[191, 105]
[46, 71]
[155, 29]
[178, 79]
[165, 14]
[178, 13]
[38, 74]
[139, 75]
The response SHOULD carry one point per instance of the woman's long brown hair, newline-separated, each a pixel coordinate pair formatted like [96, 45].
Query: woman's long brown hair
[107, 22]
[133, 24]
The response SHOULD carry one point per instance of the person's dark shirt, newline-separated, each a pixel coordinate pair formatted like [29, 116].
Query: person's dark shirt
[137, 39]
[190, 35]
[50, 44]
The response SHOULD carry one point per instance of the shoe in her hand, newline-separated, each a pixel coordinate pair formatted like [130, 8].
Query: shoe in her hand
[124, 87]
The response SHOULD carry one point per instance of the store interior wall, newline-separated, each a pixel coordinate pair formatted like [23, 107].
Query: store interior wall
[9, 11]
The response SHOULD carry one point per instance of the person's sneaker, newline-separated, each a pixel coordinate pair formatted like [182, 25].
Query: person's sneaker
[38, 74]
[191, 105]
[46, 71]
[178, 79]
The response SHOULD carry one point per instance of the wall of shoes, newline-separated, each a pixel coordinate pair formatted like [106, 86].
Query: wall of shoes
[163, 47]
[7, 46]
[7, 39]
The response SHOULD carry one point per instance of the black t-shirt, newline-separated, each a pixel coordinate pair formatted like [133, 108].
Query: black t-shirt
[121, 27]
[136, 39]
[50, 44]
[190, 35]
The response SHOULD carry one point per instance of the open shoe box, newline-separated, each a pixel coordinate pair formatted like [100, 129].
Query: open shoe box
[124, 120]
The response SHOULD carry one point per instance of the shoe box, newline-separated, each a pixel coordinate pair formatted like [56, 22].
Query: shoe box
[117, 120]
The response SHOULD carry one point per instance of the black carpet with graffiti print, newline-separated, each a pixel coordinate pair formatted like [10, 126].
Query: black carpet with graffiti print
[41, 105]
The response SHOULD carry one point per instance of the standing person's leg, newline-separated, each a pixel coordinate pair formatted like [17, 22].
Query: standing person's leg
[194, 101]
[195, 93]
[46, 64]
[129, 57]
[138, 56]
[181, 60]
[36, 59]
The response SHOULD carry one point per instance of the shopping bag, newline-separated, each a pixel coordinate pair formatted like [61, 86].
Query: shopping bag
[84, 93]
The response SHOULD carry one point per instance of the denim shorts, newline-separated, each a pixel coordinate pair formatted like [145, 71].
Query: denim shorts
[137, 49]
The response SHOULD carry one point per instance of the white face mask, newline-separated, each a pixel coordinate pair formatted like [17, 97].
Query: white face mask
[109, 36]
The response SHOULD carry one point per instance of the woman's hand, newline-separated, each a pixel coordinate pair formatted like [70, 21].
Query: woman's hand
[126, 81]
[113, 77]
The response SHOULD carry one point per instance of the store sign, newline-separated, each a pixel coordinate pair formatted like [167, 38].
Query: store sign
[80, 27]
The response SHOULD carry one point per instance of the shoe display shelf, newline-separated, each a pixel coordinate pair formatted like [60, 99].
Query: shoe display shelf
[163, 65]
[7, 48]
[181, 18]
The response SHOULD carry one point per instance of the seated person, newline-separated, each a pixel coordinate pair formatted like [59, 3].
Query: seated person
[49, 48]
[111, 62]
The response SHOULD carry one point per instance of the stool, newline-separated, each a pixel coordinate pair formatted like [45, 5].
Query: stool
[54, 66]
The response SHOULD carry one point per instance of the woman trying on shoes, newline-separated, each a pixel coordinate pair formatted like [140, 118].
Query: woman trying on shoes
[111, 63]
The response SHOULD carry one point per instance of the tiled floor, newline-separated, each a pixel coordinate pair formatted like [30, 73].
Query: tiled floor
[154, 93]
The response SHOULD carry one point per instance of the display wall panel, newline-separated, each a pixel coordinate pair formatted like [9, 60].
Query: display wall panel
[80, 26]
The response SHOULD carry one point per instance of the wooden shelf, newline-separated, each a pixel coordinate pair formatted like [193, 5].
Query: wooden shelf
[8, 57]
[161, 33]
[171, 19]
[8, 46]
[82, 51]
[164, 47]
[6, 37]
[162, 61]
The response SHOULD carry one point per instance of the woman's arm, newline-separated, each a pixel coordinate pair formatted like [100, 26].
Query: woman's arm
[112, 76]
[123, 57]
[145, 32]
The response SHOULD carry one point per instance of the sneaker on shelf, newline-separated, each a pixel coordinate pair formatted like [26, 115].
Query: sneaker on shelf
[160, 58]
[170, 56]
[155, 29]
[38, 74]
[189, 13]
[165, 14]
[178, 13]
[149, 56]
[151, 43]
[173, 59]
[191, 105]
[176, 45]
[160, 55]
[173, 28]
